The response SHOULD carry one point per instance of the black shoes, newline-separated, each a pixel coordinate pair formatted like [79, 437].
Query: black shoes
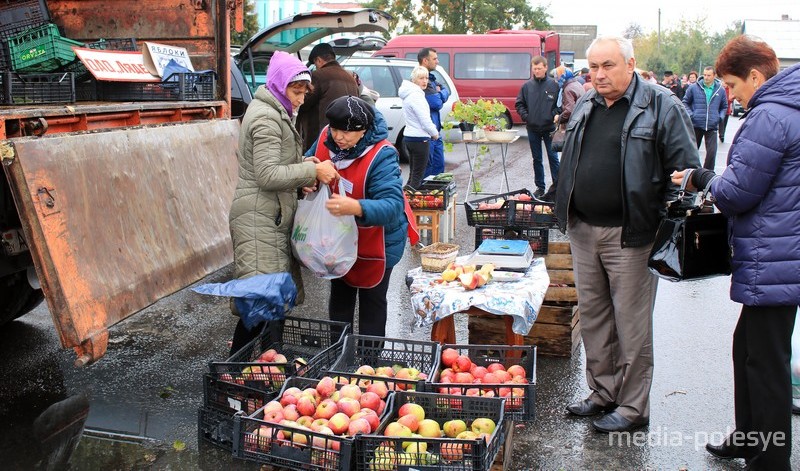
[587, 408]
[538, 193]
[727, 451]
[614, 422]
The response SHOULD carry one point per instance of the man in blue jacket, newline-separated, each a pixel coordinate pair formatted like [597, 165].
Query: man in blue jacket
[436, 95]
[706, 103]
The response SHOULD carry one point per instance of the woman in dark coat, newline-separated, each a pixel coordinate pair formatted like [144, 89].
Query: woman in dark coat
[759, 192]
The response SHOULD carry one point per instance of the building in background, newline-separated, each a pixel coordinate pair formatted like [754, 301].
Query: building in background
[783, 35]
[575, 39]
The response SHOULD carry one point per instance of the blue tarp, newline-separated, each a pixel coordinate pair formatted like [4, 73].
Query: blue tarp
[258, 298]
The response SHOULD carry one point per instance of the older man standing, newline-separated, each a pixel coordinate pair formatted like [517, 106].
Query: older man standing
[624, 139]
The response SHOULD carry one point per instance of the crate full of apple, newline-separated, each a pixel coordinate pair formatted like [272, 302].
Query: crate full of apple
[515, 208]
[502, 371]
[435, 432]
[221, 401]
[284, 348]
[311, 424]
[401, 364]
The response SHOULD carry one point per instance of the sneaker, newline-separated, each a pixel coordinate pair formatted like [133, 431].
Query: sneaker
[538, 193]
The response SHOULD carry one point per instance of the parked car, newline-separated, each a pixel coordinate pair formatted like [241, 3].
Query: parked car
[384, 75]
[737, 108]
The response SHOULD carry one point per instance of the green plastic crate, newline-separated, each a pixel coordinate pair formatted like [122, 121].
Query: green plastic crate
[40, 49]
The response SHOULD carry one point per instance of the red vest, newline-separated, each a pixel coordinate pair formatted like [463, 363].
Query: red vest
[370, 265]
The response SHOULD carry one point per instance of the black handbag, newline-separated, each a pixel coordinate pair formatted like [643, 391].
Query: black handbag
[691, 242]
[558, 138]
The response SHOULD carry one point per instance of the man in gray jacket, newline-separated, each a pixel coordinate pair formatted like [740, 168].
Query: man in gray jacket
[624, 139]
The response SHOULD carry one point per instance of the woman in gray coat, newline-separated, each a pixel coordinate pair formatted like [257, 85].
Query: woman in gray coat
[271, 170]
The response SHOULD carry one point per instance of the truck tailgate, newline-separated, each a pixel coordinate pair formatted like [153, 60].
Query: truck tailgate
[117, 219]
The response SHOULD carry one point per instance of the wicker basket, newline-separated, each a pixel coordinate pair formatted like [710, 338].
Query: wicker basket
[437, 256]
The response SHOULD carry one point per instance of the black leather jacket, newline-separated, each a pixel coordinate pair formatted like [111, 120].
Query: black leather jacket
[657, 139]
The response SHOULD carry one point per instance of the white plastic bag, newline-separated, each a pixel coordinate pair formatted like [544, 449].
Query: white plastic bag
[324, 243]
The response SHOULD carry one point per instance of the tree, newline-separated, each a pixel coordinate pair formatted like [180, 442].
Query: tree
[250, 24]
[633, 31]
[462, 16]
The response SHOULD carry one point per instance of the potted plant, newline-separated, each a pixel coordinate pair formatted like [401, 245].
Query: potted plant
[480, 116]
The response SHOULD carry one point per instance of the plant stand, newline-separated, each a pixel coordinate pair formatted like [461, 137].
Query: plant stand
[472, 148]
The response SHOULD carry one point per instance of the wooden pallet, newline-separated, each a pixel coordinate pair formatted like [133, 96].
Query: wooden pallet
[556, 331]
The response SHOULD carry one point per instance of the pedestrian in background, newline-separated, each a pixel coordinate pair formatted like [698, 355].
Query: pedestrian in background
[271, 170]
[419, 129]
[537, 106]
[706, 103]
[758, 192]
[672, 84]
[369, 167]
[625, 139]
[436, 94]
[723, 125]
[329, 81]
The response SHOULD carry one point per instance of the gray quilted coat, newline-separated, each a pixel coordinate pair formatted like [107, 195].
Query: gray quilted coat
[271, 169]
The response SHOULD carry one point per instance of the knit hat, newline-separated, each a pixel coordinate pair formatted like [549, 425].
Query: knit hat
[301, 77]
[349, 113]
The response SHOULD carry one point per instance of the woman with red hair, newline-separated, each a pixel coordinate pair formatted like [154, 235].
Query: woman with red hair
[759, 192]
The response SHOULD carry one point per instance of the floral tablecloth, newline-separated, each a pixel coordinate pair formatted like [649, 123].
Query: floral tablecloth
[521, 299]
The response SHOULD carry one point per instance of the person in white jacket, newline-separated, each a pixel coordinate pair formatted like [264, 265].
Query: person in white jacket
[419, 126]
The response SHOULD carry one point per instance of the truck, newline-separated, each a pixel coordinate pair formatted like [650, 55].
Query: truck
[491, 65]
[105, 207]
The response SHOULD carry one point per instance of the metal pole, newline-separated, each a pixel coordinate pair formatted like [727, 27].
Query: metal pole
[659, 31]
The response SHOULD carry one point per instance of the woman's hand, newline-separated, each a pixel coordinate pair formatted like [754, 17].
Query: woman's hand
[678, 176]
[326, 172]
[309, 189]
[340, 205]
[311, 159]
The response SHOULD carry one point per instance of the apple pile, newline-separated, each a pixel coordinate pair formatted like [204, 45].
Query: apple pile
[492, 380]
[273, 374]
[327, 409]
[411, 423]
[468, 275]
[407, 374]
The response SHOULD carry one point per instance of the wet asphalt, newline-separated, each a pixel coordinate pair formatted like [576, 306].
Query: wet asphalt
[144, 393]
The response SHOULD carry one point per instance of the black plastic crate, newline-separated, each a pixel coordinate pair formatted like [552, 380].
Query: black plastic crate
[520, 397]
[25, 89]
[256, 439]
[431, 194]
[299, 340]
[111, 44]
[532, 214]
[497, 216]
[86, 90]
[215, 427]
[189, 86]
[537, 237]
[360, 350]
[17, 16]
[377, 451]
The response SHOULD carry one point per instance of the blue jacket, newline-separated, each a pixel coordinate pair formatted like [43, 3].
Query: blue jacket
[436, 99]
[705, 115]
[384, 203]
[760, 193]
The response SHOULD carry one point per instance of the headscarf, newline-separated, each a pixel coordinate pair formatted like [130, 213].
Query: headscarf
[284, 69]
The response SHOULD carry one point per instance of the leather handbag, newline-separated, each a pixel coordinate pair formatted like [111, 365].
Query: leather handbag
[558, 137]
[691, 242]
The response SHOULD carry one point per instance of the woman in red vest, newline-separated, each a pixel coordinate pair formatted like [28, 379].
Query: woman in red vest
[368, 165]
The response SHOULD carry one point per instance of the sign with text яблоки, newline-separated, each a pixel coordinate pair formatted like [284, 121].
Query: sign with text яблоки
[157, 56]
[115, 66]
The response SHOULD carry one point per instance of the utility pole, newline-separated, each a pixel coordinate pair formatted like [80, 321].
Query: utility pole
[659, 31]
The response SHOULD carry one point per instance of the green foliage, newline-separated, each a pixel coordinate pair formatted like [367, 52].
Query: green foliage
[462, 16]
[481, 113]
[250, 24]
[688, 46]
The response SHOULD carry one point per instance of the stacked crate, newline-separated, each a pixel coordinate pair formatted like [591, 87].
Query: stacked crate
[433, 204]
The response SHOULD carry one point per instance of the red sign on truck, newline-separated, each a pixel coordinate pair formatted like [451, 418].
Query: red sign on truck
[115, 66]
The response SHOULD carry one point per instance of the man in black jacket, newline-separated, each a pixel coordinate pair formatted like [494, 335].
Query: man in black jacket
[537, 106]
[624, 139]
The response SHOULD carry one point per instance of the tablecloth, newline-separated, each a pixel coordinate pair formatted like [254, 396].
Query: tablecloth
[521, 299]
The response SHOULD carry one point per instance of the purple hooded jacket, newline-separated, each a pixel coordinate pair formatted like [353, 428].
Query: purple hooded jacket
[760, 193]
[282, 68]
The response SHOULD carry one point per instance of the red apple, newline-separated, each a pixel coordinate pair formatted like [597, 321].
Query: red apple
[326, 386]
[305, 421]
[349, 406]
[462, 363]
[411, 408]
[288, 399]
[479, 372]
[339, 423]
[490, 378]
[379, 388]
[366, 370]
[290, 412]
[268, 356]
[358, 426]
[318, 424]
[411, 421]
[279, 359]
[306, 405]
[492, 367]
[370, 400]
[449, 356]
[326, 409]
[350, 390]
[370, 415]
[274, 416]
[516, 370]
[273, 405]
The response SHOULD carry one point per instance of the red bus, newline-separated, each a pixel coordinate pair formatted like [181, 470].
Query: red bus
[491, 65]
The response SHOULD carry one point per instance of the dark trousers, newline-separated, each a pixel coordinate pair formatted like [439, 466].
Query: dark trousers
[723, 125]
[371, 305]
[762, 382]
[242, 336]
[535, 140]
[417, 152]
[711, 145]
[435, 158]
